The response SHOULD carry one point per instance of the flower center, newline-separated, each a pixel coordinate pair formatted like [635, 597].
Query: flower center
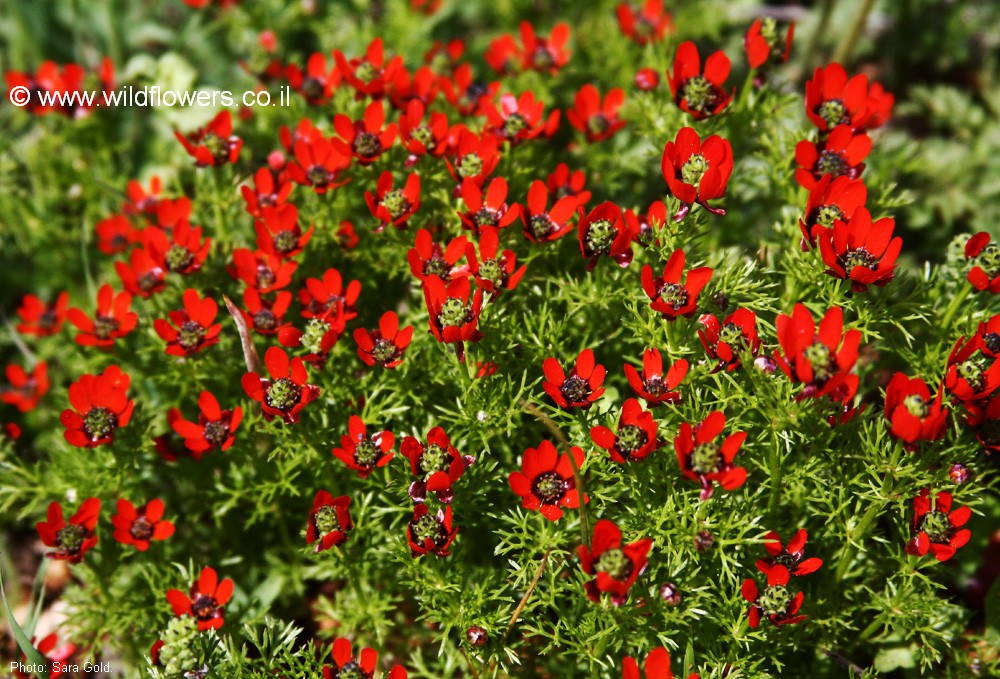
[916, 405]
[326, 519]
[141, 529]
[427, 527]
[991, 341]
[600, 235]
[424, 135]
[731, 334]
[48, 319]
[179, 258]
[365, 453]
[265, 320]
[858, 257]
[514, 125]
[833, 112]
[655, 385]
[366, 72]
[937, 525]
[99, 423]
[367, 145]
[706, 458]
[541, 225]
[694, 169]
[674, 294]
[631, 438]
[205, 607]
[435, 459]
[105, 326]
[827, 214]
[492, 270]
[598, 124]
[283, 394]
[469, 166]
[216, 432]
[312, 337]
[989, 260]
[265, 276]
[989, 432]
[453, 313]
[438, 266]
[395, 203]
[542, 57]
[384, 351]
[191, 335]
[821, 360]
[286, 241]
[216, 145]
[486, 217]
[318, 176]
[71, 537]
[312, 88]
[775, 600]
[575, 389]
[148, 281]
[550, 488]
[972, 372]
[701, 95]
[614, 563]
[832, 163]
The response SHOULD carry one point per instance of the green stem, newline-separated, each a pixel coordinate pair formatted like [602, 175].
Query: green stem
[774, 461]
[814, 40]
[846, 45]
[954, 306]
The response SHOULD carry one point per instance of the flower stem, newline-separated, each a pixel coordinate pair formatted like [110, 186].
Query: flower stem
[954, 306]
[846, 45]
[527, 595]
[814, 40]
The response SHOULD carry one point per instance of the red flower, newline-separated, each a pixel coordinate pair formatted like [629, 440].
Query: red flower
[321, 297]
[812, 357]
[364, 453]
[437, 465]
[700, 94]
[776, 601]
[604, 232]
[704, 460]
[644, 23]
[214, 144]
[329, 521]
[261, 271]
[788, 557]
[114, 234]
[971, 377]
[266, 317]
[60, 657]
[348, 666]
[985, 421]
[182, 252]
[287, 392]
[215, 429]
[112, 319]
[493, 273]
[542, 225]
[636, 437]
[138, 527]
[985, 256]
[669, 296]
[364, 139]
[393, 206]
[422, 87]
[206, 599]
[696, 171]
[452, 316]
[596, 120]
[475, 157]
[646, 79]
[913, 415]
[430, 533]
[318, 163]
[74, 539]
[317, 83]
[578, 390]
[100, 406]
[936, 526]
[490, 210]
[564, 183]
[466, 93]
[841, 155]
[546, 481]
[725, 342]
[504, 55]
[269, 190]
[833, 99]
[369, 74]
[384, 345]
[861, 251]
[657, 666]
[420, 137]
[40, 319]
[764, 44]
[278, 231]
[519, 118]
[652, 385]
[428, 258]
[193, 329]
[540, 53]
[616, 566]
[24, 390]
[831, 199]
[141, 276]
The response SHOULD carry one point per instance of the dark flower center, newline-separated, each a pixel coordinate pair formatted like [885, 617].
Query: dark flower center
[179, 258]
[48, 319]
[916, 405]
[485, 216]
[427, 527]
[701, 95]
[937, 525]
[326, 520]
[655, 385]
[694, 169]
[71, 538]
[366, 72]
[614, 563]
[493, 271]
[351, 670]
[469, 166]
[575, 389]
[598, 124]
[216, 145]
[148, 281]
[105, 326]
[549, 488]
[453, 313]
[216, 432]
[141, 529]
[265, 276]
[438, 266]
[541, 226]
[989, 260]
[365, 453]
[514, 125]
[631, 438]
[191, 335]
[395, 203]
[312, 88]
[99, 423]
[706, 458]
[265, 320]
[283, 394]
[775, 600]
[821, 359]
[601, 234]
[205, 607]
[384, 351]
[542, 57]
[286, 241]
[674, 294]
[991, 341]
[435, 458]
[858, 257]
[367, 145]
[833, 112]
[318, 176]
[832, 163]
[827, 214]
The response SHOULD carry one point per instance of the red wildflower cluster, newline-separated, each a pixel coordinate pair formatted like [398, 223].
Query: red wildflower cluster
[214, 430]
[363, 453]
[23, 389]
[535, 52]
[40, 318]
[652, 384]
[644, 23]
[329, 521]
[726, 342]
[581, 388]
[668, 295]
[436, 464]
[636, 436]
[913, 414]
[214, 144]
[822, 358]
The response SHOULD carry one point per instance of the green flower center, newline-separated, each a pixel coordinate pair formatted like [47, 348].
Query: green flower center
[859, 257]
[600, 235]
[989, 260]
[351, 670]
[937, 525]
[367, 145]
[435, 459]
[286, 241]
[469, 166]
[916, 405]
[701, 95]
[832, 163]
[674, 294]
[283, 394]
[775, 600]
[318, 175]
[614, 563]
[706, 458]
[631, 438]
[515, 124]
[828, 214]
[821, 360]
[366, 72]
[549, 488]
[542, 57]
[216, 145]
[384, 351]
[71, 538]
[575, 389]
[598, 124]
[972, 372]
[424, 135]
[395, 203]
[833, 112]
[326, 520]
[99, 423]
[265, 320]
[427, 527]
[438, 266]
[179, 258]
[312, 337]
[453, 313]
[485, 216]
[105, 327]
[365, 453]
[492, 270]
[731, 334]
[216, 432]
[141, 529]
[541, 226]
[191, 335]
[694, 169]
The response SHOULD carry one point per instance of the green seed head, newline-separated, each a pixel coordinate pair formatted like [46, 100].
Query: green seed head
[312, 337]
[384, 351]
[614, 563]
[706, 458]
[973, 373]
[286, 241]
[435, 459]
[216, 145]
[177, 654]
[514, 124]
[731, 334]
[437, 266]
[834, 113]
[631, 438]
[71, 538]
[674, 294]
[99, 423]
[326, 520]
[486, 217]
[694, 169]
[469, 166]
[453, 313]
[365, 453]
[424, 135]
[541, 226]
[550, 488]
[427, 527]
[283, 394]
[366, 72]
[701, 95]
[492, 270]
[937, 525]
[821, 360]
[827, 214]
[989, 260]
[179, 258]
[395, 203]
[775, 600]
[601, 234]
[916, 405]
[598, 124]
